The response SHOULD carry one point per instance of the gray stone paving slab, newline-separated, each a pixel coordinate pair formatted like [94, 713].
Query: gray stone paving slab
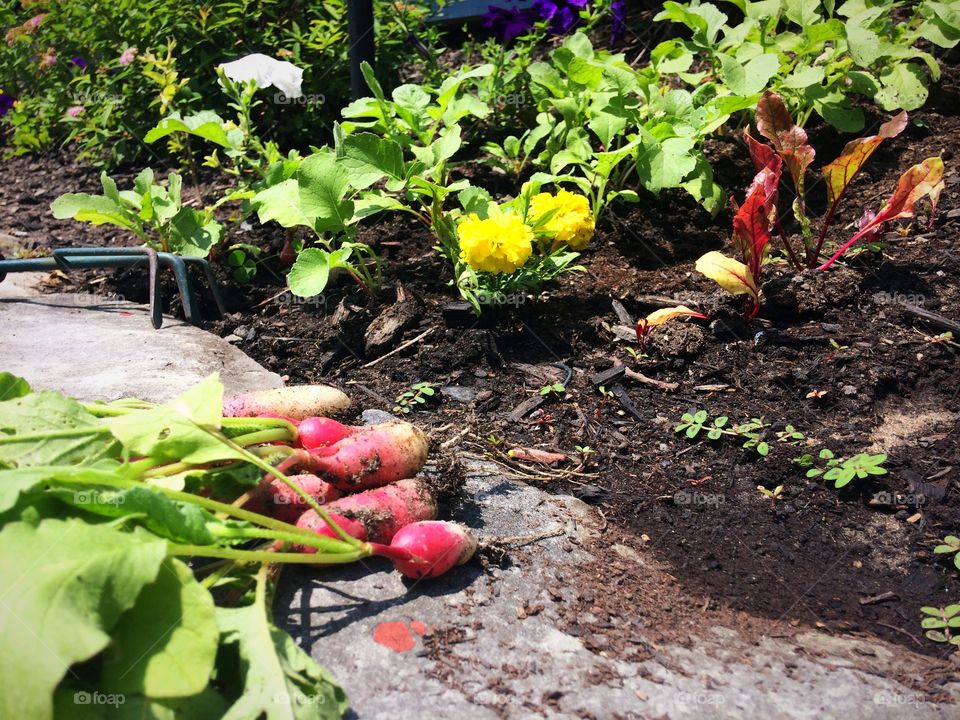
[96, 348]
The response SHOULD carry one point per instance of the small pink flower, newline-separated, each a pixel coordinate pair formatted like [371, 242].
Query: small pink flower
[75, 111]
[35, 21]
[128, 56]
[48, 59]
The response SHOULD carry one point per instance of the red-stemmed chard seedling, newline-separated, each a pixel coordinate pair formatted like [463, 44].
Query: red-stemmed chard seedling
[758, 216]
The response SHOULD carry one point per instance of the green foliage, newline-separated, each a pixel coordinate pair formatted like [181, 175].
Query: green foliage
[692, 424]
[601, 123]
[815, 56]
[178, 48]
[941, 623]
[950, 544]
[152, 212]
[418, 394]
[842, 471]
[89, 557]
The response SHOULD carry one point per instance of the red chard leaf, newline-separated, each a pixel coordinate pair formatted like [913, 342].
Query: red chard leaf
[751, 224]
[923, 179]
[762, 155]
[788, 138]
[841, 171]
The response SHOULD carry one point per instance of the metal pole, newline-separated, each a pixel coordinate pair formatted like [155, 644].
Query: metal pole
[360, 29]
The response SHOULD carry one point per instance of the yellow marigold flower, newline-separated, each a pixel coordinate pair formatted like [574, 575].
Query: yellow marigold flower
[500, 244]
[572, 224]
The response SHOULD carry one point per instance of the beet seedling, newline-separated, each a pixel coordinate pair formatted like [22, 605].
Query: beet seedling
[758, 217]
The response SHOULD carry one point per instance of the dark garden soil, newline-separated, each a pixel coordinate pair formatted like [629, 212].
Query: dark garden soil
[834, 354]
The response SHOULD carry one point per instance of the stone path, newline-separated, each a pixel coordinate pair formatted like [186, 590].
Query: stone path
[493, 661]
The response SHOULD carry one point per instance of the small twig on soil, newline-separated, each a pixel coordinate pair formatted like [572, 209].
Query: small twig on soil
[901, 631]
[932, 318]
[521, 540]
[641, 378]
[402, 346]
[882, 597]
[456, 438]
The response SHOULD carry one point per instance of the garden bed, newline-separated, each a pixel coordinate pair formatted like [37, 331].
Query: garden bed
[835, 355]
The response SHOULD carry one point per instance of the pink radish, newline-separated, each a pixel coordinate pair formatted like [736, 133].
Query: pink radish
[314, 432]
[428, 549]
[295, 401]
[285, 504]
[381, 512]
[370, 457]
[311, 521]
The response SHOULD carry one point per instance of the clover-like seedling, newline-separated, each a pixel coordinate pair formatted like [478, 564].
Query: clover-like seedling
[416, 395]
[941, 623]
[950, 544]
[859, 466]
[790, 435]
[751, 430]
[691, 424]
[843, 470]
[557, 388]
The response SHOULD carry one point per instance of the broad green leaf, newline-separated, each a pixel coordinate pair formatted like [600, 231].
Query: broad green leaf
[310, 273]
[77, 703]
[14, 482]
[280, 681]
[732, 275]
[475, 200]
[170, 431]
[368, 158]
[282, 204]
[177, 522]
[47, 428]
[205, 124]
[323, 184]
[864, 44]
[903, 87]
[803, 76]
[165, 645]
[94, 209]
[802, 12]
[12, 387]
[665, 164]
[192, 234]
[749, 78]
[64, 585]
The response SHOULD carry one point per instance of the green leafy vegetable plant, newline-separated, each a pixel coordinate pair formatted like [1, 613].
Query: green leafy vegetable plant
[950, 544]
[817, 56]
[153, 212]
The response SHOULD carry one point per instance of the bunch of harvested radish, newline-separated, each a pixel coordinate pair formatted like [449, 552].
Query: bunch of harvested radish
[354, 483]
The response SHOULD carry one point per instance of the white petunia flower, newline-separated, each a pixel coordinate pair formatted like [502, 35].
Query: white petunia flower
[267, 72]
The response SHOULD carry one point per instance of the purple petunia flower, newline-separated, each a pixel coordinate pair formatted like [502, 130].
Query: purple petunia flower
[79, 62]
[6, 103]
[508, 23]
[618, 9]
